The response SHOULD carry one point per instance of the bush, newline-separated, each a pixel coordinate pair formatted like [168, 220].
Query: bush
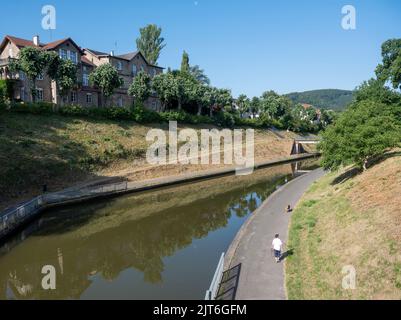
[73, 110]
[224, 119]
[118, 113]
[35, 108]
[143, 115]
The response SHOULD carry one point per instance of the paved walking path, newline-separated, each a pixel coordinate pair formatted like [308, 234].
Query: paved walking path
[261, 277]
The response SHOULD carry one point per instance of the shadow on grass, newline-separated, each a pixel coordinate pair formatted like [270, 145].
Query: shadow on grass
[354, 171]
[286, 254]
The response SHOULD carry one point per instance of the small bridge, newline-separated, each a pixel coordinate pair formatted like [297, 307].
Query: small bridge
[297, 146]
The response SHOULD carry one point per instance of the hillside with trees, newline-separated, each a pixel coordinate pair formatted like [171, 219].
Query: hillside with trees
[329, 99]
[350, 217]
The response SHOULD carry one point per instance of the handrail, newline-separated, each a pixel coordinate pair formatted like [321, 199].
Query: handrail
[214, 286]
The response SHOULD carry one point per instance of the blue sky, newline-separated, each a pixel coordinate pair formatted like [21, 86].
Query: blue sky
[246, 46]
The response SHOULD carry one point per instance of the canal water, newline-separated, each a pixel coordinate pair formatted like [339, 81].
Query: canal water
[163, 244]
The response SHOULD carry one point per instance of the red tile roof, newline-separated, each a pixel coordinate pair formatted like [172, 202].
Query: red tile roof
[20, 42]
[29, 43]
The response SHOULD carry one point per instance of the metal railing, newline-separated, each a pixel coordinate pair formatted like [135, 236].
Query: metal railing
[107, 188]
[20, 213]
[214, 286]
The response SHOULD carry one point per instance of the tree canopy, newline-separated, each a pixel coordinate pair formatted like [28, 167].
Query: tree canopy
[106, 78]
[150, 43]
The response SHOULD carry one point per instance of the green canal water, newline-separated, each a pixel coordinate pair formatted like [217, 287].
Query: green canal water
[163, 244]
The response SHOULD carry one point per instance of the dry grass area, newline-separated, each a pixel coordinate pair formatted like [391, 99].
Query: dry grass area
[354, 221]
[64, 151]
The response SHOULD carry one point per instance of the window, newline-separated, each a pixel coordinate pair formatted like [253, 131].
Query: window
[89, 98]
[63, 54]
[73, 56]
[85, 79]
[39, 94]
[21, 75]
[40, 77]
[142, 69]
[73, 97]
[119, 65]
[134, 69]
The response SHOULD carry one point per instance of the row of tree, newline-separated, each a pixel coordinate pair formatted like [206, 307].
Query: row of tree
[187, 89]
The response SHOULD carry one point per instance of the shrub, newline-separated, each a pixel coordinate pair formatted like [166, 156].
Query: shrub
[143, 115]
[35, 108]
[118, 113]
[73, 110]
[224, 119]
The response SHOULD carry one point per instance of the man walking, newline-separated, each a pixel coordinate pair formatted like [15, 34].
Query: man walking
[277, 245]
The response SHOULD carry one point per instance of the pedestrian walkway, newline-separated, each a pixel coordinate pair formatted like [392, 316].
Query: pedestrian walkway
[261, 277]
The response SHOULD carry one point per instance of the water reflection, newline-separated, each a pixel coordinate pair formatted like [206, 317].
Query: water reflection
[158, 241]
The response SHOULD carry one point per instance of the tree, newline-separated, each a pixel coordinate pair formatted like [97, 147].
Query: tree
[185, 63]
[165, 85]
[364, 131]
[63, 72]
[243, 103]
[390, 69]
[255, 106]
[140, 87]
[150, 43]
[32, 62]
[274, 105]
[199, 74]
[106, 78]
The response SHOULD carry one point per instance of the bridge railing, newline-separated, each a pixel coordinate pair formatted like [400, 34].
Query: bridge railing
[14, 217]
[214, 286]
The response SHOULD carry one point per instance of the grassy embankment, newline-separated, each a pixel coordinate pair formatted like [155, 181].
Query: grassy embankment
[354, 221]
[65, 151]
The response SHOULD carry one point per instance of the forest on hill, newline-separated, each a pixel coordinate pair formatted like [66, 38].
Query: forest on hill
[334, 99]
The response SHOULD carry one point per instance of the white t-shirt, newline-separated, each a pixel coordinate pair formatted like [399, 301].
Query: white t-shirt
[277, 244]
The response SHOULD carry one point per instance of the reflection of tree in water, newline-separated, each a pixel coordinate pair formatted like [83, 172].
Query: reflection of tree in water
[140, 244]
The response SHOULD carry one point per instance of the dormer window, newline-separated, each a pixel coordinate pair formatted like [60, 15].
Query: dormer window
[73, 56]
[63, 54]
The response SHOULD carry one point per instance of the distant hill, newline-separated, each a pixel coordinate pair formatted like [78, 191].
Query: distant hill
[334, 99]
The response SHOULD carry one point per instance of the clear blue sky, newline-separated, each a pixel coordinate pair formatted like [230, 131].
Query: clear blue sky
[247, 46]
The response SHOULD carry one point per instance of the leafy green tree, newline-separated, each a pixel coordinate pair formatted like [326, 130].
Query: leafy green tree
[140, 87]
[390, 69]
[63, 72]
[32, 62]
[274, 105]
[106, 78]
[166, 87]
[243, 103]
[364, 131]
[199, 75]
[255, 106]
[374, 89]
[185, 62]
[150, 43]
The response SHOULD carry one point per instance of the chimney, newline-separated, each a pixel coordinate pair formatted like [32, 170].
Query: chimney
[36, 40]
[112, 53]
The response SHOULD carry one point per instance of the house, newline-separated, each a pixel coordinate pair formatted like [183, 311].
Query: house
[87, 60]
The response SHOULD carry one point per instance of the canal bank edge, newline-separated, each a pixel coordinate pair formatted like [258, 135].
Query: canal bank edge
[15, 217]
[245, 228]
